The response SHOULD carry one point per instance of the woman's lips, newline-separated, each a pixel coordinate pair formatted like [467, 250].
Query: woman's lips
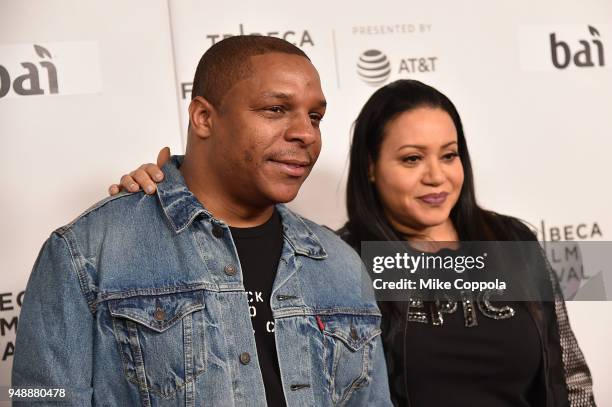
[434, 199]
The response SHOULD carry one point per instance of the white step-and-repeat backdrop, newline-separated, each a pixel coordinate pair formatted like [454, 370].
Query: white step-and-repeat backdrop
[90, 89]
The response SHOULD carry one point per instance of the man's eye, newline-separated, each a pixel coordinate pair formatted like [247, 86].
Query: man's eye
[316, 117]
[275, 109]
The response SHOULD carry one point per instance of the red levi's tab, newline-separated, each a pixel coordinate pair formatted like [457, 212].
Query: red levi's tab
[320, 323]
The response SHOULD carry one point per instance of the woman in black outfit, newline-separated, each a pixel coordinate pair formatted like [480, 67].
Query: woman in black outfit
[410, 179]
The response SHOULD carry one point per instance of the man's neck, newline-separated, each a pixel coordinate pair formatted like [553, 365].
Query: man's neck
[213, 195]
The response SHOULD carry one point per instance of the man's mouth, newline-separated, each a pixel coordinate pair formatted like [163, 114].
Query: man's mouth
[292, 167]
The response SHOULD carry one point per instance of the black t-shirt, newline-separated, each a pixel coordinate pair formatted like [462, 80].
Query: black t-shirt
[259, 249]
[490, 361]
[496, 363]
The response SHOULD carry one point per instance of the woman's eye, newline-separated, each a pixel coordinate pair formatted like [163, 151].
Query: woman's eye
[450, 156]
[411, 159]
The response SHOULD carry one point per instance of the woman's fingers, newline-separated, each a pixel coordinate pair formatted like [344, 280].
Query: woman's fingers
[143, 178]
[128, 183]
[114, 189]
[163, 156]
[153, 171]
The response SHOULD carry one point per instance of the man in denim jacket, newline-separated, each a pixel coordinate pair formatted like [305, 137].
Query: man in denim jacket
[141, 301]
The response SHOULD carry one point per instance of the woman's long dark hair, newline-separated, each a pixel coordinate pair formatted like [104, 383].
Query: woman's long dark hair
[366, 218]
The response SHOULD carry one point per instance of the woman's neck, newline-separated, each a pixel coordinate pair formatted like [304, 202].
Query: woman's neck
[443, 232]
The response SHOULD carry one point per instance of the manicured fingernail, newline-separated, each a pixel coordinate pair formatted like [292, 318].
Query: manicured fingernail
[149, 189]
[158, 176]
[133, 187]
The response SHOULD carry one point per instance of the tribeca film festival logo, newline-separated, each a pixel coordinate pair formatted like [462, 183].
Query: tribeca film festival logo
[29, 83]
[375, 68]
[299, 38]
[564, 254]
[10, 303]
[584, 52]
[61, 68]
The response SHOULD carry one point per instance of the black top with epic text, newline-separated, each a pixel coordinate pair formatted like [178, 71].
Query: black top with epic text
[478, 351]
[259, 249]
[494, 363]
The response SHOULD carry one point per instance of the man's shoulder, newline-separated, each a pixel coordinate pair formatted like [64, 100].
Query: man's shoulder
[121, 209]
[332, 243]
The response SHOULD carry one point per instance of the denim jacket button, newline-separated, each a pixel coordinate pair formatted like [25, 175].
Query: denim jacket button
[354, 334]
[159, 314]
[245, 358]
[217, 231]
[230, 270]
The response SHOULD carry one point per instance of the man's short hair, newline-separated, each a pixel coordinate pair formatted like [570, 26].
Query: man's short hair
[228, 62]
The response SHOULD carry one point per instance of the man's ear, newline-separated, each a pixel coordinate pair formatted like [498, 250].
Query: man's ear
[200, 117]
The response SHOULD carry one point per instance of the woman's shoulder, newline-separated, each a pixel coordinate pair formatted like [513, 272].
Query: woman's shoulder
[345, 234]
[507, 227]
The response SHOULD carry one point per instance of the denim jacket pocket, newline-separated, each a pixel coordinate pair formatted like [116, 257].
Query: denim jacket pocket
[349, 342]
[161, 340]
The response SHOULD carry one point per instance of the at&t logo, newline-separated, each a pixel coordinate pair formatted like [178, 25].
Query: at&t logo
[587, 52]
[374, 67]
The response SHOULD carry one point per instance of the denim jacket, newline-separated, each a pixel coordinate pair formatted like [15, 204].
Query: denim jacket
[140, 301]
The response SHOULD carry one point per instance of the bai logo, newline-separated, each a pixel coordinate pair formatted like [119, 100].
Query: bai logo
[29, 83]
[583, 53]
[49, 69]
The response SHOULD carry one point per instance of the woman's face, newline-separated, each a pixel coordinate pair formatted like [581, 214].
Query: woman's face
[418, 174]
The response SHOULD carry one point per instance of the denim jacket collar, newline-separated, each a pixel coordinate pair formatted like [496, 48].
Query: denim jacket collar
[299, 235]
[181, 208]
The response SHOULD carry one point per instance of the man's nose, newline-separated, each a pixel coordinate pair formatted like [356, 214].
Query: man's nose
[302, 130]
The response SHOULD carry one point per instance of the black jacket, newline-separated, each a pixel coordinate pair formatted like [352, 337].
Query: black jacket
[565, 376]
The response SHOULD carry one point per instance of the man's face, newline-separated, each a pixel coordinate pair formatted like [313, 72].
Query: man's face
[265, 134]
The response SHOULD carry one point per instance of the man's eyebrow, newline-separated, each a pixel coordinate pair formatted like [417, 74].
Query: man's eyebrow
[276, 95]
[286, 97]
